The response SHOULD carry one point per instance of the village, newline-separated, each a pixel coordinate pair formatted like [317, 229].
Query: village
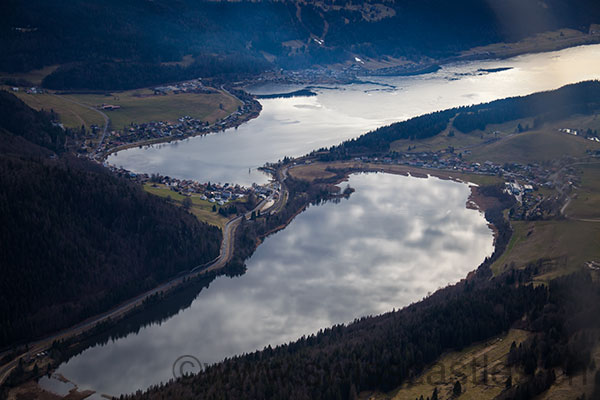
[217, 193]
[192, 86]
[531, 174]
[97, 141]
[185, 126]
[539, 190]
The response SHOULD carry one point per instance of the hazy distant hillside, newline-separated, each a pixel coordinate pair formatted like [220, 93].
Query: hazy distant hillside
[285, 33]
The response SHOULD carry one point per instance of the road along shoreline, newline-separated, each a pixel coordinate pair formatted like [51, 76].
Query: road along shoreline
[290, 209]
[31, 350]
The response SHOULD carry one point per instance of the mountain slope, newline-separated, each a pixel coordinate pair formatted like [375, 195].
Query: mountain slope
[76, 240]
[38, 33]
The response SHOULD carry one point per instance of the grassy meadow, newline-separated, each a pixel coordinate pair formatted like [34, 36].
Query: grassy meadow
[140, 106]
[202, 209]
[137, 106]
[72, 115]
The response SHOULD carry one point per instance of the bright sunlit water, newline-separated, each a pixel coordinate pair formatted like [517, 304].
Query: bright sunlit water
[296, 126]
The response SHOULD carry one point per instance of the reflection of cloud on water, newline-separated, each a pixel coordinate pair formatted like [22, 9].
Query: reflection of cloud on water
[386, 246]
[332, 263]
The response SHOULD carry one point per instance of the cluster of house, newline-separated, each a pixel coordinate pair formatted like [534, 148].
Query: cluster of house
[321, 74]
[530, 175]
[31, 90]
[522, 180]
[33, 357]
[443, 159]
[518, 190]
[217, 193]
[312, 75]
[575, 132]
[185, 126]
[595, 265]
[193, 86]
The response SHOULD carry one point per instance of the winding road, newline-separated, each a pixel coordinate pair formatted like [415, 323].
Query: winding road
[225, 255]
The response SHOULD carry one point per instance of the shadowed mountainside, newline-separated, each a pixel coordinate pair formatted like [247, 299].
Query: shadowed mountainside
[76, 240]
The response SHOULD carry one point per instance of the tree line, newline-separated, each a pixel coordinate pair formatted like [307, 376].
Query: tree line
[579, 98]
[372, 353]
[75, 239]
[114, 75]
[37, 33]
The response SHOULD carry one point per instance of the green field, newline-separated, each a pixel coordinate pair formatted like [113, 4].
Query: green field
[545, 144]
[202, 209]
[565, 244]
[460, 141]
[585, 204]
[439, 142]
[71, 115]
[142, 105]
[137, 106]
[540, 146]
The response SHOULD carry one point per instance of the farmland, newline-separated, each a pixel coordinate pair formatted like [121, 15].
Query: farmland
[141, 106]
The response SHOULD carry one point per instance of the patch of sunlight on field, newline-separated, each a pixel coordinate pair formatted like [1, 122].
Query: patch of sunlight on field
[535, 146]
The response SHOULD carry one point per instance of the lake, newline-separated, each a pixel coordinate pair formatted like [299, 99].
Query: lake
[296, 126]
[394, 240]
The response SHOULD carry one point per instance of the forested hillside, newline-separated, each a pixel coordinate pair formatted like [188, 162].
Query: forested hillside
[129, 75]
[236, 35]
[580, 98]
[33, 126]
[379, 353]
[75, 240]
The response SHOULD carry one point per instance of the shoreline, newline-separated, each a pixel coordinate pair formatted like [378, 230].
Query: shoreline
[76, 335]
[475, 201]
[253, 113]
[493, 51]
[481, 201]
[414, 69]
[478, 199]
